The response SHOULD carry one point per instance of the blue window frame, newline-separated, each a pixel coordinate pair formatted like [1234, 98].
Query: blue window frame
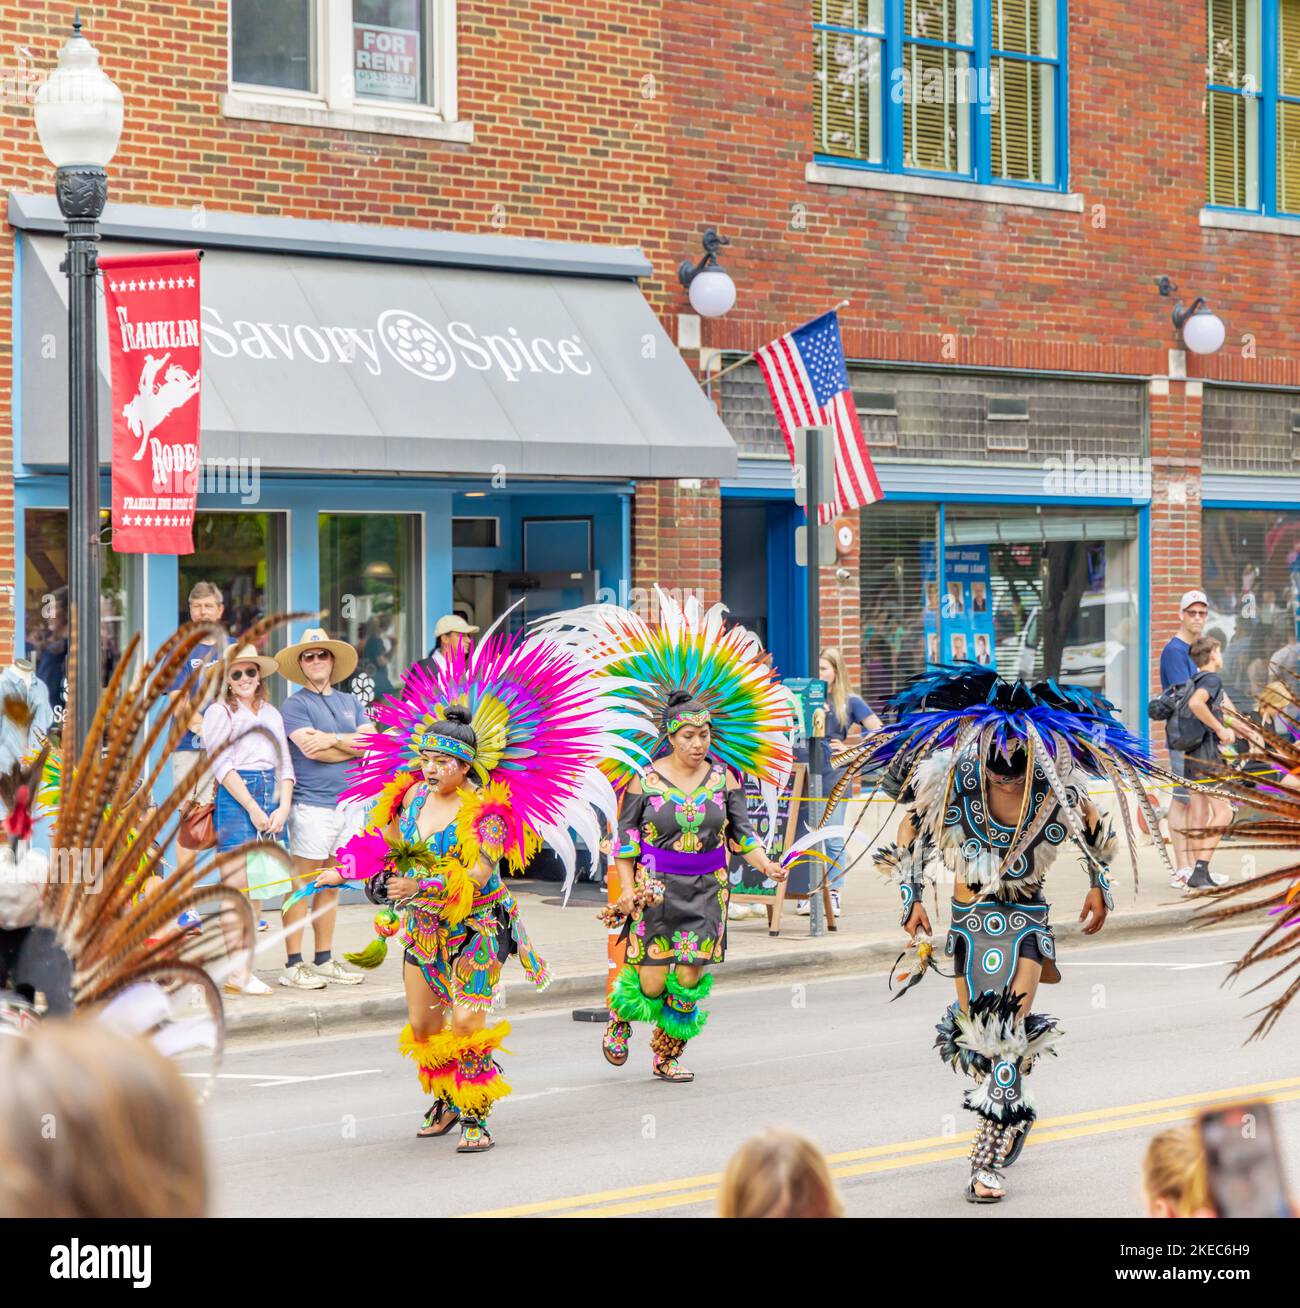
[1252, 106]
[974, 89]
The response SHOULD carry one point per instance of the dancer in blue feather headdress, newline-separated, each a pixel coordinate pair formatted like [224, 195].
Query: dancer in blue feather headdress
[993, 775]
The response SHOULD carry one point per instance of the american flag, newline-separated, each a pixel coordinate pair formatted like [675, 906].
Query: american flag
[809, 385]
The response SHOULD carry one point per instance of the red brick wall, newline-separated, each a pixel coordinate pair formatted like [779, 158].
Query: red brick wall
[1175, 509]
[1013, 286]
[677, 538]
[569, 139]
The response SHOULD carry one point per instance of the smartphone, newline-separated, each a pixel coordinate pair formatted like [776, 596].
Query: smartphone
[1245, 1169]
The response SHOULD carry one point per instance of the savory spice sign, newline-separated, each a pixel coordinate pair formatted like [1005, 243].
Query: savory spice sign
[155, 346]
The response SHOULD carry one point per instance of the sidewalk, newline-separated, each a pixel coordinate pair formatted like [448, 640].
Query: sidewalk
[573, 942]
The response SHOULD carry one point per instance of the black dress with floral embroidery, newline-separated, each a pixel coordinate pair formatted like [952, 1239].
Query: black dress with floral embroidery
[689, 925]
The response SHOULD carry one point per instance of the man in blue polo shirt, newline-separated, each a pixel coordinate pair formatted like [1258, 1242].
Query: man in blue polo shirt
[325, 727]
[1176, 668]
[205, 606]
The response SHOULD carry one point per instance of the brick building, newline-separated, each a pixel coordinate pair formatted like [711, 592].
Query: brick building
[1016, 370]
[473, 193]
[994, 188]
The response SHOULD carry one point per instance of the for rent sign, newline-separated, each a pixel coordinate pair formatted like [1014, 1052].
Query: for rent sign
[386, 62]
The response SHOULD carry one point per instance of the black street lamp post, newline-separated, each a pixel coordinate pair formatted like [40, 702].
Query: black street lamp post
[79, 119]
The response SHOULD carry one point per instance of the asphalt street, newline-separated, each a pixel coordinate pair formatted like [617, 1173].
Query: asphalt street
[326, 1126]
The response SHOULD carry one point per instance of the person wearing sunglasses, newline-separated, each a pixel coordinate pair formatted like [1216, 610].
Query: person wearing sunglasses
[325, 726]
[243, 734]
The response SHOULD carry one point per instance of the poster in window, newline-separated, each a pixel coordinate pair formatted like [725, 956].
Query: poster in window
[964, 599]
[386, 62]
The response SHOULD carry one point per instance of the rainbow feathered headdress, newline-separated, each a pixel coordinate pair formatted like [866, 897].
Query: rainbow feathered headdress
[689, 648]
[544, 726]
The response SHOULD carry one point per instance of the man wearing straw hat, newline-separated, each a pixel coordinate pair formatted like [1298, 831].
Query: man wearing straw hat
[324, 727]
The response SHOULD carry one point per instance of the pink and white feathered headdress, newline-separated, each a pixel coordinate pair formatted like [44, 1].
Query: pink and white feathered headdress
[544, 725]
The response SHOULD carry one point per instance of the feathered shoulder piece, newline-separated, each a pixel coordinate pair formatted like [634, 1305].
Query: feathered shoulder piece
[543, 726]
[691, 648]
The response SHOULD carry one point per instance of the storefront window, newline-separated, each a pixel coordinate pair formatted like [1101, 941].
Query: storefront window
[1043, 592]
[1250, 569]
[896, 539]
[244, 556]
[1033, 593]
[390, 50]
[370, 589]
[45, 601]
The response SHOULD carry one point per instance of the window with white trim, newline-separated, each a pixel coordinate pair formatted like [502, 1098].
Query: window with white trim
[957, 88]
[1252, 105]
[381, 56]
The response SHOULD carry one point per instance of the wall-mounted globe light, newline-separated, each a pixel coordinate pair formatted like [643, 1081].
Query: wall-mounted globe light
[709, 285]
[1202, 330]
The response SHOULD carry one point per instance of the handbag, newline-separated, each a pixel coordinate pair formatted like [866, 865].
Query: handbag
[268, 876]
[198, 828]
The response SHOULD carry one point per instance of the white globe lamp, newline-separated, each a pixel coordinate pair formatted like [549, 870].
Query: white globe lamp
[79, 108]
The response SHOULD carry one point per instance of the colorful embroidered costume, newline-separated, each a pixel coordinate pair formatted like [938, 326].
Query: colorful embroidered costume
[529, 729]
[462, 963]
[689, 923]
[958, 732]
[687, 670]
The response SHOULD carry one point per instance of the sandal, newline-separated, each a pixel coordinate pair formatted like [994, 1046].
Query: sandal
[669, 1069]
[440, 1118]
[475, 1138]
[615, 1042]
[990, 1181]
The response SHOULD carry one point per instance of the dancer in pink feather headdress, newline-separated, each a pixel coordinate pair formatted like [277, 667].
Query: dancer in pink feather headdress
[484, 758]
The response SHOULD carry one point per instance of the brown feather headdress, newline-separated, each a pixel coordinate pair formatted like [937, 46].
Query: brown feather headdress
[1268, 791]
[132, 962]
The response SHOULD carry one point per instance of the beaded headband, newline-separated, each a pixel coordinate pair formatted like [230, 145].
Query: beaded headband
[433, 742]
[701, 718]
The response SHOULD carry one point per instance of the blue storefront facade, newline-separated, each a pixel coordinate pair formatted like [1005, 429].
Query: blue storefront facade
[481, 444]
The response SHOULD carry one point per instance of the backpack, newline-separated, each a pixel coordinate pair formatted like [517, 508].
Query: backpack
[1184, 731]
[1165, 704]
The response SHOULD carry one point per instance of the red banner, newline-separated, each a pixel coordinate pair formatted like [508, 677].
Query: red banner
[155, 348]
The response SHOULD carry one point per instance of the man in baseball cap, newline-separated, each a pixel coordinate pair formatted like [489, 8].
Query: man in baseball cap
[450, 632]
[1177, 668]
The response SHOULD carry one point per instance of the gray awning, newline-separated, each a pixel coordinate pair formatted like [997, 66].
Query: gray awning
[328, 364]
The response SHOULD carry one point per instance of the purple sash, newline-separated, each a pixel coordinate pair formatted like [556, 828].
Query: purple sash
[674, 863]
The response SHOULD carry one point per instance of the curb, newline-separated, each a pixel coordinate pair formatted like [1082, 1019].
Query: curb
[357, 1012]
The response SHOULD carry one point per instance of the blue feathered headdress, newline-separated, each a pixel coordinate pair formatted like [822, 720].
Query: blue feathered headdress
[968, 708]
[938, 707]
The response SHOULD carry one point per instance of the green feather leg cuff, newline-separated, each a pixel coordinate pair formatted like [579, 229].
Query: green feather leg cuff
[629, 1002]
[681, 1016]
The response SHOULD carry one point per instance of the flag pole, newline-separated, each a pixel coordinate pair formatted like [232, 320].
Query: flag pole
[710, 377]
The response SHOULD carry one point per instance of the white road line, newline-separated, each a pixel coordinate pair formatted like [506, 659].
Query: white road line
[324, 1076]
[273, 1078]
[1172, 967]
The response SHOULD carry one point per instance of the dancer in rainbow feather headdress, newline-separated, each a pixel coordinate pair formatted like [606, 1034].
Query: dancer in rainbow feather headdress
[719, 714]
[494, 752]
